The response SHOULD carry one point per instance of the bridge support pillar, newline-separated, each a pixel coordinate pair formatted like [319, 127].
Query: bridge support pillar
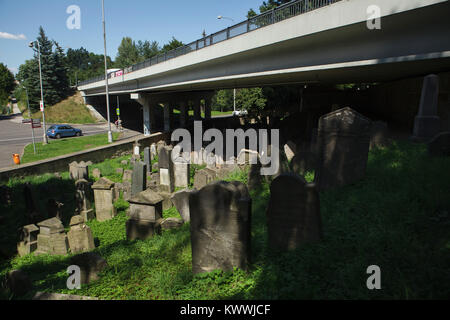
[184, 114]
[168, 111]
[207, 109]
[148, 113]
[197, 111]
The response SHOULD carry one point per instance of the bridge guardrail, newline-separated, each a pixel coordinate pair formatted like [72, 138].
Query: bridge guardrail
[283, 12]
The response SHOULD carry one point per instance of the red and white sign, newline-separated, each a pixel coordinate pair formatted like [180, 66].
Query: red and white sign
[119, 73]
[42, 105]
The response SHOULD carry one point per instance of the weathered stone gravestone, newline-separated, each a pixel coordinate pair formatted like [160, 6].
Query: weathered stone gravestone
[161, 144]
[145, 210]
[293, 213]
[120, 171]
[166, 170]
[124, 162]
[139, 179]
[170, 223]
[153, 151]
[54, 209]
[440, 145]
[78, 171]
[91, 264]
[290, 149]
[83, 198]
[96, 173]
[104, 196]
[378, 134]
[148, 159]
[80, 236]
[127, 175]
[427, 122]
[181, 173]
[60, 297]
[28, 240]
[254, 176]
[180, 200]
[220, 227]
[136, 152]
[204, 177]
[302, 162]
[247, 157]
[51, 238]
[343, 138]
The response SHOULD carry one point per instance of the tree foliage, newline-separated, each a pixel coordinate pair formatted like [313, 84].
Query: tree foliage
[7, 83]
[222, 100]
[266, 6]
[83, 65]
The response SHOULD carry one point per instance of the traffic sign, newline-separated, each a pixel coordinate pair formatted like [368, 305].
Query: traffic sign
[26, 121]
[118, 111]
[42, 105]
[36, 123]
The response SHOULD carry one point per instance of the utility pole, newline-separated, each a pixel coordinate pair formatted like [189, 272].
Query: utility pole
[32, 124]
[234, 99]
[110, 138]
[42, 105]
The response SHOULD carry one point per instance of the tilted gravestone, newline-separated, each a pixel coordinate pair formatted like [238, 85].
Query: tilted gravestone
[293, 213]
[220, 227]
[51, 238]
[427, 122]
[96, 173]
[343, 139]
[166, 170]
[145, 210]
[104, 199]
[180, 200]
[28, 240]
[139, 179]
[80, 236]
[83, 198]
[204, 177]
[440, 145]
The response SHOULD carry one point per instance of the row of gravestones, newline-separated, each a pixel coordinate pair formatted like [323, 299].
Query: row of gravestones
[48, 237]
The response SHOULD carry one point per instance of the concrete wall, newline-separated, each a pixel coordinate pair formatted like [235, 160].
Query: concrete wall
[96, 155]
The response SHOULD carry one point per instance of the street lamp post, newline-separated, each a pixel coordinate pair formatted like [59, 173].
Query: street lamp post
[33, 45]
[234, 90]
[31, 118]
[110, 138]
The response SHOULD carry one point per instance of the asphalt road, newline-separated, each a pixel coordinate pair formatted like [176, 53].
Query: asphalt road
[14, 136]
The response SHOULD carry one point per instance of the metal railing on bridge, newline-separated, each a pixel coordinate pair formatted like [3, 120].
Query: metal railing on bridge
[283, 12]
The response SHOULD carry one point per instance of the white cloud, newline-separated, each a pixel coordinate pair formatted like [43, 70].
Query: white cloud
[6, 35]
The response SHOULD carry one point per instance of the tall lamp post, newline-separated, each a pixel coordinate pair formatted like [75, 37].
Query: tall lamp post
[35, 45]
[110, 138]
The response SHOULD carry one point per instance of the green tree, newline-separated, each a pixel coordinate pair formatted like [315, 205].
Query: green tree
[128, 53]
[173, 44]
[147, 49]
[83, 65]
[252, 100]
[222, 100]
[266, 6]
[7, 83]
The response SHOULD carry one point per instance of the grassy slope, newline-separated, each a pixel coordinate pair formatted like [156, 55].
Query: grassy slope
[396, 218]
[71, 110]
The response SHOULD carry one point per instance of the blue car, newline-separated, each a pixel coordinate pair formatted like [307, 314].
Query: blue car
[62, 131]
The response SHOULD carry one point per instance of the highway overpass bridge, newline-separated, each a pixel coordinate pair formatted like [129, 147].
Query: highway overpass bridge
[319, 41]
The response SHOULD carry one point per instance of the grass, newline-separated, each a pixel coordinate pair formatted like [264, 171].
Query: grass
[65, 146]
[71, 110]
[396, 218]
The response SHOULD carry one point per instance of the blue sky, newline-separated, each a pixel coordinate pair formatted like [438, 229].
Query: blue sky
[138, 19]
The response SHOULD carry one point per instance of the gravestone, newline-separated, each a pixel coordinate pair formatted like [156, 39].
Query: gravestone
[91, 264]
[427, 122]
[60, 297]
[181, 174]
[290, 150]
[220, 227]
[139, 178]
[378, 134]
[161, 144]
[82, 171]
[73, 170]
[204, 177]
[80, 236]
[28, 240]
[170, 223]
[343, 139]
[51, 238]
[83, 196]
[54, 209]
[126, 189]
[302, 162]
[145, 209]
[124, 162]
[18, 282]
[254, 176]
[440, 145]
[104, 197]
[180, 200]
[96, 173]
[247, 157]
[127, 175]
[153, 151]
[136, 152]
[148, 159]
[166, 170]
[119, 171]
[293, 213]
